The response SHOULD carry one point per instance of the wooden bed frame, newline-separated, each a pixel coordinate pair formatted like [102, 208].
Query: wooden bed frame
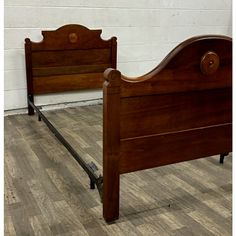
[181, 110]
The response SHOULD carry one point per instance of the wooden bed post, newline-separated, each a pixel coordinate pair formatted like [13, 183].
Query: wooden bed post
[114, 53]
[28, 63]
[111, 144]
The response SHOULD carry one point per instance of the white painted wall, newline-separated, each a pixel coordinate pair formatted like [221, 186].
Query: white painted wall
[146, 30]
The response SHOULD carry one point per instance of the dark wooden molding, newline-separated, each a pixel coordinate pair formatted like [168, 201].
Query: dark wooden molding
[29, 72]
[72, 36]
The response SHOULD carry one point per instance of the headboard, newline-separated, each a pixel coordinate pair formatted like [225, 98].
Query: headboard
[70, 58]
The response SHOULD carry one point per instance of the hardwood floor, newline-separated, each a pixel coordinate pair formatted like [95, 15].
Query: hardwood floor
[47, 192]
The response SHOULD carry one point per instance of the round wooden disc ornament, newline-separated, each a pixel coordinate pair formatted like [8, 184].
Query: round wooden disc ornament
[210, 62]
[73, 37]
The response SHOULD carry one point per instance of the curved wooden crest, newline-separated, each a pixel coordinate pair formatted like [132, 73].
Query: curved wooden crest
[70, 36]
[198, 63]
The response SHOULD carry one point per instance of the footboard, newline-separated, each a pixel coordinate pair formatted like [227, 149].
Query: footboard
[181, 110]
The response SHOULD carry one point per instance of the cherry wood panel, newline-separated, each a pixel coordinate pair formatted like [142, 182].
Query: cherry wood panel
[63, 83]
[161, 113]
[70, 57]
[169, 81]
[158, 150]
[67, 70]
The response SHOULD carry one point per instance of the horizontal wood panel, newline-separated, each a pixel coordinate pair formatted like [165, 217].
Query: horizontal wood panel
[157, 114]
[70, 57]
[63, 83]
[157, 150]
[67, 70]
[170, 81]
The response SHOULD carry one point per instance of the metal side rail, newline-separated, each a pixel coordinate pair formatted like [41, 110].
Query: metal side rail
[89, 168]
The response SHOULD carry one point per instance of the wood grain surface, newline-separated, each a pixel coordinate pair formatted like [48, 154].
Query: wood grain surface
[69, 58]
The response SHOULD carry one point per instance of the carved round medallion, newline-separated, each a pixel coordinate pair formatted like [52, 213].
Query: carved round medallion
[73, 37]
[210, 62]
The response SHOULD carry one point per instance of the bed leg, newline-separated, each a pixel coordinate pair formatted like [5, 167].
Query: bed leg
[111, 145]
[222, 157]
[111, 192]
[30, 109]
[92, 184]
[39, 117]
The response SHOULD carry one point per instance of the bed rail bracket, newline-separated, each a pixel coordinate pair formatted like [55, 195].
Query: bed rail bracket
[99, 179]
[93, 168]
[39, 117]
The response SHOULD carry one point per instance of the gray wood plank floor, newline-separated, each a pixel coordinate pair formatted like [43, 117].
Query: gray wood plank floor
[47, 193]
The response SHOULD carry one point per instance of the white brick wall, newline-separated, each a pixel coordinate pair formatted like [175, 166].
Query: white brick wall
[146, 30]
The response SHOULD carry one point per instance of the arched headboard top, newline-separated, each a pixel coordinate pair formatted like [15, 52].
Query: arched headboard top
[72, 36]
[189, 54]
